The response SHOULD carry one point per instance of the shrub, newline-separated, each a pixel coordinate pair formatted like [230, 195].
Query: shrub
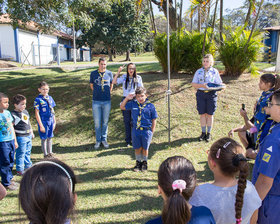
[234, 53]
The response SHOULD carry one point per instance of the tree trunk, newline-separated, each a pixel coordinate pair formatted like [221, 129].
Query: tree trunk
[214, 20]
[221, 21]
[191, 22]
[152, 18]
[110, 53]
[180, 18]
[198, 19]
[205, 31]
[172, 13]
[127, 55]
[253, 27]
[246, 22]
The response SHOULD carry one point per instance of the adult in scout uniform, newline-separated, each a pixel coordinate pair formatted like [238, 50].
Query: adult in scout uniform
[101, 86]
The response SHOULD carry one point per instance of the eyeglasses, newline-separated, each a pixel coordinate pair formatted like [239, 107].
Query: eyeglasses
[271, 104]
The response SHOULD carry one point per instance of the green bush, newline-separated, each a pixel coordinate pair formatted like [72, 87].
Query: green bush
[185, 50]
[234, 54]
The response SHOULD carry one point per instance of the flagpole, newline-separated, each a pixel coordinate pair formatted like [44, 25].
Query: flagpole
[168, 71]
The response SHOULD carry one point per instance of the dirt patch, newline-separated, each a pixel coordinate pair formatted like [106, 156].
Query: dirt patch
[5, 64]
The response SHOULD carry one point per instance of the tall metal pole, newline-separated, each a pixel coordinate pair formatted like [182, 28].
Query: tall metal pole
[168, 71]
[74, 43]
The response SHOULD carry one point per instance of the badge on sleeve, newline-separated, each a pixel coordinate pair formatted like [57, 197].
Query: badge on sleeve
[266, 157]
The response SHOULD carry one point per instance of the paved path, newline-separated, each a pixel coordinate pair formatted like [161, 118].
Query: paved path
[71, 67]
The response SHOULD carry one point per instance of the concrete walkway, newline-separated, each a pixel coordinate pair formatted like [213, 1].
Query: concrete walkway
[72, 67]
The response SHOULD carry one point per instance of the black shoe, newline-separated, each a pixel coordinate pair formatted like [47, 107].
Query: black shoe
[202, 136]
[208, 137]
[138, 166]
[144, 166]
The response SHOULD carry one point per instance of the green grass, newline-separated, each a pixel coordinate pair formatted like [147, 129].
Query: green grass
[109, 191]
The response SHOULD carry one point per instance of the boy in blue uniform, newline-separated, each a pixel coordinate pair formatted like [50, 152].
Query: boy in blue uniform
[8, 144]
[144, 116]
[266, 171]
[45, 117]
[206, 99]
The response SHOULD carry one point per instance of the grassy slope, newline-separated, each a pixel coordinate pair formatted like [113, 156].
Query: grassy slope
[109, 191]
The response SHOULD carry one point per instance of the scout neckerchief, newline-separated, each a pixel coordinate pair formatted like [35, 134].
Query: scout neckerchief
[140, 112]
[269, 132]
[49, 103]
[266, 95]
[261, 130]
[102, 80]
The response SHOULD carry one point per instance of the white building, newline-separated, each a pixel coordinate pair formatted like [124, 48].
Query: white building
[28, 45]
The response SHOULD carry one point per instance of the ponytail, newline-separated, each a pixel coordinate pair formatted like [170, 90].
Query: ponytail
[177, 180]
[241, 162]
[176, 209]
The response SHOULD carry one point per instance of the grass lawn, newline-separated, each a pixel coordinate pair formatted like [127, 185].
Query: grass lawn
[109, 191]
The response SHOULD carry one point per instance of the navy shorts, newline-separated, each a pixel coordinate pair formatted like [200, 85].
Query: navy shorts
[268, 211]
[206, 102]
[49, 129]
[141, 138]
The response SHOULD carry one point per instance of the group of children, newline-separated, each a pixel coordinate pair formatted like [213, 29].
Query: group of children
[183, 201]
[16, 133]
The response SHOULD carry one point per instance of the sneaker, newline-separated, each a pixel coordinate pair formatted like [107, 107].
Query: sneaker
[202, 136]
[20, 173]
[208, 137]
[144, 166]
[138, 166]
[105, 144]
[129, 145]
[12, 187]
[97, 145]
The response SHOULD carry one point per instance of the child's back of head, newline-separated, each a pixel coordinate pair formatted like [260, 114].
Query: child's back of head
[229, 156]
[177, 179]
[47, 192]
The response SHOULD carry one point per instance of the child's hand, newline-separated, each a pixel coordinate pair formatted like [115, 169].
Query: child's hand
[16, 145]
[120, 69]
[130, 96]
[230, 134]
[243, 113]
[42, 129]
[205, 85]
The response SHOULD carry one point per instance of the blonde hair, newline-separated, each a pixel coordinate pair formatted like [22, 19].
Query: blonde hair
[210, 57]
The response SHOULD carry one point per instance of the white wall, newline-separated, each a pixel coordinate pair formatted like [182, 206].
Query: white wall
[26, 41]
[46, 48]
[7, 41]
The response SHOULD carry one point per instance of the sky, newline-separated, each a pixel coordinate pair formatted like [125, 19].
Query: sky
[228, 4]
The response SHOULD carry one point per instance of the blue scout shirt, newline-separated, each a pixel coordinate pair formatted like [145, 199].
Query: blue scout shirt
[267, 161]
[130, 85]
[260, 114]
[45, 105]
[199, 215]
[202, 76]
[6, 126]
[149, 113]
[101, 85]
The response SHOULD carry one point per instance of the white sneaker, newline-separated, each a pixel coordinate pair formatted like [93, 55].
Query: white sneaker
[97, 145]
[105, 144]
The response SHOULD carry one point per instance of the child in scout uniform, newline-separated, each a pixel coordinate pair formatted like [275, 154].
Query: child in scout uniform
[8, 144]
[45, 117]
[206, 99]
[144, 123]
[266, 171]
[24, 134]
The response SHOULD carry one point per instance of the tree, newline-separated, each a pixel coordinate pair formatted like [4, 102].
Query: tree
[118, 26]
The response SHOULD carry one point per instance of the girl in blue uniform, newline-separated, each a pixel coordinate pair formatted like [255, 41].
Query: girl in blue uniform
[130, 81]
[206, 99]
[176, 183]
[45, 117]
[47, 192]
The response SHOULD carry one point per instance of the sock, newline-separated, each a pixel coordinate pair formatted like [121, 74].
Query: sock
[209, 129]
[203, 129]
[138, 157]
[49, 145]
[145, 158]
[44, 146]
